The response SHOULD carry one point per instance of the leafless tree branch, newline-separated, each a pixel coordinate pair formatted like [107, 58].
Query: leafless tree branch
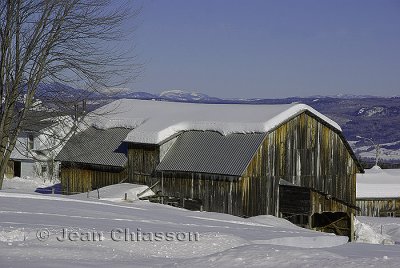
[47, 41]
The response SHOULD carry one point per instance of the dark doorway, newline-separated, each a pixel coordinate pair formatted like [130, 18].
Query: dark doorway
[17, 168]
[332, 222]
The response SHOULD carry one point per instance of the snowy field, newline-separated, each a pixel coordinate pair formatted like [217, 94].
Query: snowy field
[222, 240]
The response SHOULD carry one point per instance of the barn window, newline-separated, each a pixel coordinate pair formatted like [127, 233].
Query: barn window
[44, 169]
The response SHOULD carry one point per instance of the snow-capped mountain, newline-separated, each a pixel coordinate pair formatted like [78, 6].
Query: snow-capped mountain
[182, 95]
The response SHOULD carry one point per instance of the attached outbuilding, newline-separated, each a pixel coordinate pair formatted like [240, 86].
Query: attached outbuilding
[378, 192]
[93, 159]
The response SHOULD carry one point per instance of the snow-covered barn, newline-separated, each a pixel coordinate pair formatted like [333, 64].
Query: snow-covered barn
[284, 160]
[378, 192]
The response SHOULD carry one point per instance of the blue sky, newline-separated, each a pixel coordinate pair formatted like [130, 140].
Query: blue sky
[269, 49]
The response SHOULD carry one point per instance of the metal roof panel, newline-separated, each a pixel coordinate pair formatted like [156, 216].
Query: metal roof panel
[96, 146]
[211, 152]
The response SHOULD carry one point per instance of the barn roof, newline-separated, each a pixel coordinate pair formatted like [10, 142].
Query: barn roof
[378, 183]
[153, 122]
[96, 146]
[36, 121]
[211, 152]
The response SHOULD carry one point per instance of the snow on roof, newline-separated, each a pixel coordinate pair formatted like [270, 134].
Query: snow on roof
[155, 121]
[378, 183]
[20, 152]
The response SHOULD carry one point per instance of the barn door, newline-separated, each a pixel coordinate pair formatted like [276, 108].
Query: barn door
[294, 204]
[17, 168]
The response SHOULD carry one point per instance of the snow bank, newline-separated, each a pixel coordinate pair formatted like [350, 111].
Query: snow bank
[266, 256]
[306, 242]
[301, 241]
[155, 121]
[376, 182]
[392, 230]
[26, 184]
[388, 226]
[366, 234]
[272, 220]
[116, 192]
[12, 235]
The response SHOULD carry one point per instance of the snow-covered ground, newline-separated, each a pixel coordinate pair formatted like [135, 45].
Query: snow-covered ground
[223, 240]
[25, 185]
[116, 193]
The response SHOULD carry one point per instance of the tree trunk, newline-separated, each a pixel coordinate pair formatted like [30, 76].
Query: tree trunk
[43, 42]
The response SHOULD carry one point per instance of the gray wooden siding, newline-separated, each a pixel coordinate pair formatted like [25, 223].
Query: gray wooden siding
[375, 207]
[303, 151]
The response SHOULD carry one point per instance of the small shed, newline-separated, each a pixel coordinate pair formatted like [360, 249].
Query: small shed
[378, 192]
[92, 159]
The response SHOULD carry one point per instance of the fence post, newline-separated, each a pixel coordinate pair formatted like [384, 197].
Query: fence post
[162, 187]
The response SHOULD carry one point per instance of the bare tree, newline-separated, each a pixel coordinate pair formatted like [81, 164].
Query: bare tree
[47, 41]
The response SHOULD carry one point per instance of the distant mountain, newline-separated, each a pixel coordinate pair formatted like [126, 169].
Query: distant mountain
[344, 96]
[181, 95]
[50, 91]
[135, 95]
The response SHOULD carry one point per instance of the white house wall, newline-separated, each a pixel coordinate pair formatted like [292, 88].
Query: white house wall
[27, 169]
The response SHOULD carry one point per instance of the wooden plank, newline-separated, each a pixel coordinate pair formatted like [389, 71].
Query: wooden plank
[77, 180]
[379, 207]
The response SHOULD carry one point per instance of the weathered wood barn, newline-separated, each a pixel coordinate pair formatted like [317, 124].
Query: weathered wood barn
[378, 192]
[285, 160]
[92, 159]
